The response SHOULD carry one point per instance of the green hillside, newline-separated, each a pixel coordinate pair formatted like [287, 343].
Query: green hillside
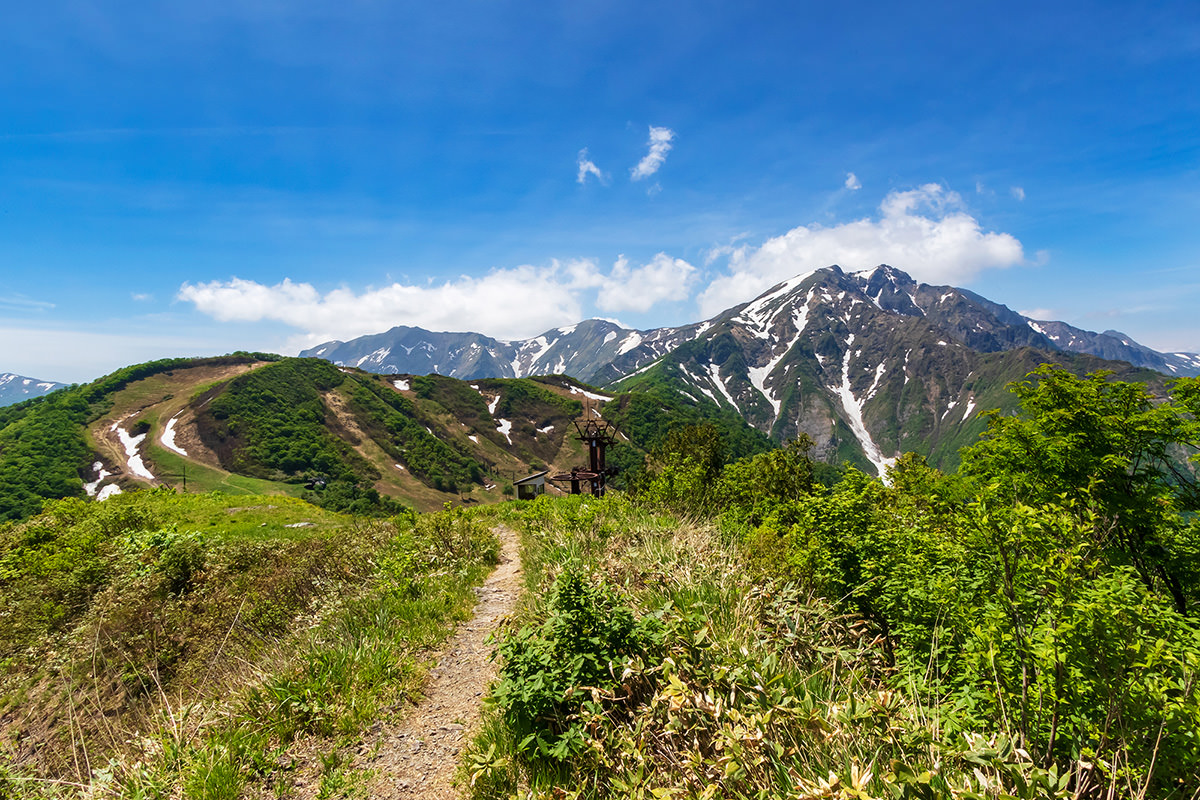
[344, 439]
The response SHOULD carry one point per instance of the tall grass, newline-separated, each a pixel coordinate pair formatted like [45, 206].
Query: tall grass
[236, 665]
[753, 690]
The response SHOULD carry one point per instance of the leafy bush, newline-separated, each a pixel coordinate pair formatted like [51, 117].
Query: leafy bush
[350, 497]
[454, 534]
[548, 671]
[1038, 596]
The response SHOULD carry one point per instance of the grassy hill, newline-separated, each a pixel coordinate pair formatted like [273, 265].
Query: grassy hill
[342, 438]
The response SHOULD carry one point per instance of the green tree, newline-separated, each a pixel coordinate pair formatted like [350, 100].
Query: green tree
[1112, 452]
[685, 469]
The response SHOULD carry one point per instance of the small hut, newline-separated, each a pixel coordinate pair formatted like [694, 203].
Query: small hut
[531, 486]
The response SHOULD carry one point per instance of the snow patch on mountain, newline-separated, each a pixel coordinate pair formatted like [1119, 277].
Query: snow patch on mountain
[101, 474]
[590, 395]
[540, 345]
[879, 370]
[714, 372]
[168, 436]
[630, 342]
[133, 456]
[854, 408]
[758, 375]
[376, 357]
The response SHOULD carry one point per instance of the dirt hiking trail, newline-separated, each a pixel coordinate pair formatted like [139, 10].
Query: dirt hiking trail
[418, 756]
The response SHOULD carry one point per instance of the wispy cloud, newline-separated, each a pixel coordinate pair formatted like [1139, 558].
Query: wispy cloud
[19, 302]
[1018, 192]
[660, 144]
[925, 231]
[852, 182]
[588, 167]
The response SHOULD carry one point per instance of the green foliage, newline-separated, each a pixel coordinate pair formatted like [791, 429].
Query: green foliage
[1037, 595]
[751, 690]
[781, 475]
[349, 497]
[453, 534]
[189, 653]
[583, 646]
[684, 470]
[43, 452]
[271, 423]
[1114, 455]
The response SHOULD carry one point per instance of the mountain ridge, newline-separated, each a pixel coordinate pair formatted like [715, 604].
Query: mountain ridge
[341, 437]
[15, 388]
[599, 351]
[868, 364]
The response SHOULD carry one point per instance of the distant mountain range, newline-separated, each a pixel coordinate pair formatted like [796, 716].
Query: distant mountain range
[870, 364]
[15, 388]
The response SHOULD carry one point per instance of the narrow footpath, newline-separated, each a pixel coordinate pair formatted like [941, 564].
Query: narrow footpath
[417, 758]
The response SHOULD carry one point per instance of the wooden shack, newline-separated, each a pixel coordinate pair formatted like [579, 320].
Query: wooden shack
[531, 486]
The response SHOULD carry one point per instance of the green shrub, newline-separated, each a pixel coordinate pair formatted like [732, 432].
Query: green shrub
[548, 671]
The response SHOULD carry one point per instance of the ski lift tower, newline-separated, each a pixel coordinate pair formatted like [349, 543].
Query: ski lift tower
[597, 434]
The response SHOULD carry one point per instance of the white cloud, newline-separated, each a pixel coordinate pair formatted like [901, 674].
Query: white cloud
[1018, 192]
[924, 231]
[588, 167]
[852, 182]
[506, 303]
[660, 144]
[639, 288]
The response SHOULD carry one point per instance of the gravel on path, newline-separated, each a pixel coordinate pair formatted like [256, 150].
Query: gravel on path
[418, 756]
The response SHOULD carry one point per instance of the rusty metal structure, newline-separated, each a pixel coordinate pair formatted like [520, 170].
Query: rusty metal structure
[597, 434]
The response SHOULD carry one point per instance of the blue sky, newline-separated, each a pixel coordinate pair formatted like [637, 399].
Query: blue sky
[194, 178]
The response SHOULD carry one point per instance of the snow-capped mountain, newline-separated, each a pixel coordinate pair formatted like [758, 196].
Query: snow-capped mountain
[581, 351]
[15, 388]
[869, 364]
